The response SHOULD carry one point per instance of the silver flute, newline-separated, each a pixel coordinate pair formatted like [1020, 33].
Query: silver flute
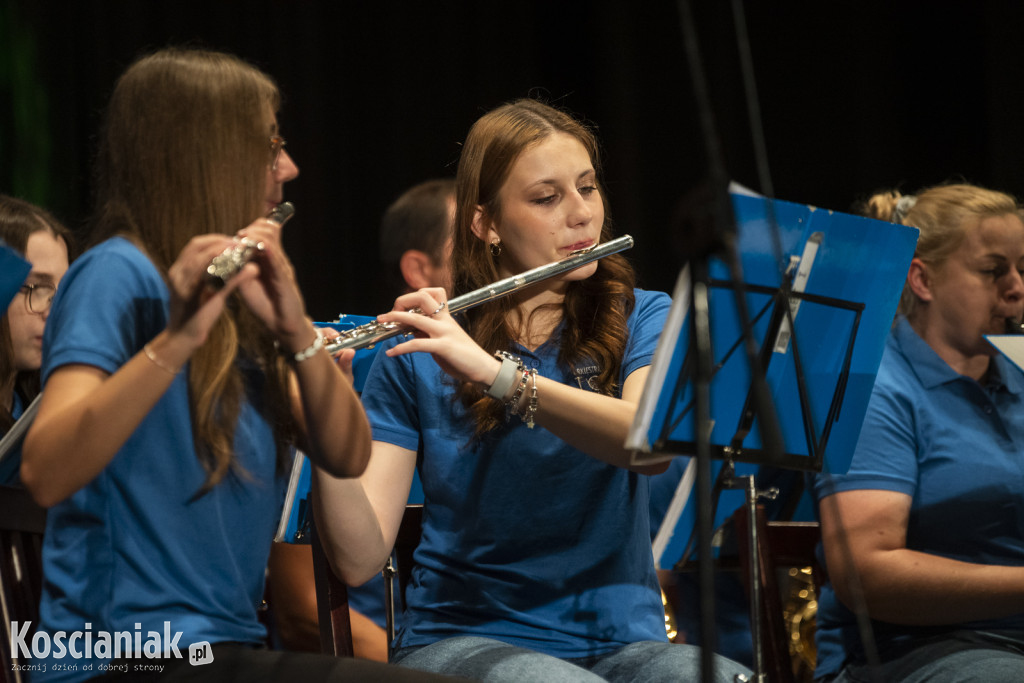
[366, 336]
[229, 262]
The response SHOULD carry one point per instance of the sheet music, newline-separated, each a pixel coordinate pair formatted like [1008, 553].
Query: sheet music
[17, 431]
[636, 440]
[1010, 345]
[298, 486]
[670, 523]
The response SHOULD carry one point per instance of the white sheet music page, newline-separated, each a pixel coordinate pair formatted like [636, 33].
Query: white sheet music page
[636, 440]
[1010, 345]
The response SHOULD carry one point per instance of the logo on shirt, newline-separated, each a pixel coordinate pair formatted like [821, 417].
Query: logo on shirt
[586, 376]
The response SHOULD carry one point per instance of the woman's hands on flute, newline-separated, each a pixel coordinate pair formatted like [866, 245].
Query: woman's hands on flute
[266, 285]
[436, 332]
[195, 307]
[273, 293]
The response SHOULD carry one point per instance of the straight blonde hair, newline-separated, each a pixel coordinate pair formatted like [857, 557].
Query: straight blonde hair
[943, 214]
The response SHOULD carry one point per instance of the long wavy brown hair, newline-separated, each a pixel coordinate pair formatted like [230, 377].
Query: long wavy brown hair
[185, 151]
[594, 310]
[19, 220]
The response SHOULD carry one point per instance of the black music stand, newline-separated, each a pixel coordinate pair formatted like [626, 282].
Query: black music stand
[821, 327]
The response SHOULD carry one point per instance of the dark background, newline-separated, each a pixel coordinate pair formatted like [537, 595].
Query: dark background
[854, 96]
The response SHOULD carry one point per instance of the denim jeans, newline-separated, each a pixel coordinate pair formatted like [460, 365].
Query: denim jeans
[493, 661]
[957, 657]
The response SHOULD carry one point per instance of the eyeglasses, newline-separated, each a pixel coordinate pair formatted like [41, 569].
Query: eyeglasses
[277, 144]
[39, 297]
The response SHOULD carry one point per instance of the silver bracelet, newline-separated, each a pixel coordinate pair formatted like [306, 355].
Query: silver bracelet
[531, 409]
[506, 376]
[310, 350]
[512, 405]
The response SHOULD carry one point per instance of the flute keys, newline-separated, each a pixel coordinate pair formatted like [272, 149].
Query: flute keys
[229, 262]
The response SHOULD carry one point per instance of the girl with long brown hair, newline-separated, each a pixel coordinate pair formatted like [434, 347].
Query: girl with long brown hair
[170, 405]
[535, 560]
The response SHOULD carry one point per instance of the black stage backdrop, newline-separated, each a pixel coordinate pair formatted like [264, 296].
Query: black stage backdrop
[855, 96]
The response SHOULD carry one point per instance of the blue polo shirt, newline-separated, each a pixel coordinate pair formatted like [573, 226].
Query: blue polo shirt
[525, 539]
[957, 448]
[137, 546]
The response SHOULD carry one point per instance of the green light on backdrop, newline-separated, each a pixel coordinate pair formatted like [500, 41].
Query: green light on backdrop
[25, 144]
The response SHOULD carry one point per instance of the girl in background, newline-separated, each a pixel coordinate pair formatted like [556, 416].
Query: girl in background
[41, 239]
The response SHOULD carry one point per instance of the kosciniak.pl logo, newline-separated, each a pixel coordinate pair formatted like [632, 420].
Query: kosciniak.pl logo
[89, 644]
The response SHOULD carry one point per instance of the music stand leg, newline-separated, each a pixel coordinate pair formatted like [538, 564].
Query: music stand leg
[749, 485]
[701, 331]
[389, 603]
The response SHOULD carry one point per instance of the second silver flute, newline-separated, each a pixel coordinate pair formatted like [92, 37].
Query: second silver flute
[366, 336]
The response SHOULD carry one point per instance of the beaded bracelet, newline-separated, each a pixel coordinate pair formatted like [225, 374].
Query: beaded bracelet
[310, 350]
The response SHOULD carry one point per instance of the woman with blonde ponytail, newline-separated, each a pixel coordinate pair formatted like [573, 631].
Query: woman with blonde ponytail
[924, 534]
[170, 406]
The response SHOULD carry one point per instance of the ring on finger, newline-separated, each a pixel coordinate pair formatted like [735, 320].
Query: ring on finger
[439, 308]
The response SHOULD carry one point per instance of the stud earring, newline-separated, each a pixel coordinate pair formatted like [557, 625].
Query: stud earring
[496, 249]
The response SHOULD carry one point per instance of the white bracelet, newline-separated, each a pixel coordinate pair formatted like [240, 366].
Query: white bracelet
[310, 350]
[506, 376]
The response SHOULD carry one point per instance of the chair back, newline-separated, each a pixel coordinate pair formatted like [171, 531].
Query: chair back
[331, 604]
[332, 593]
[22, 523]
[405, 544]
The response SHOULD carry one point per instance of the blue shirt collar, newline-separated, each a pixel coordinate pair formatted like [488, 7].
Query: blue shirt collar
[933, 371]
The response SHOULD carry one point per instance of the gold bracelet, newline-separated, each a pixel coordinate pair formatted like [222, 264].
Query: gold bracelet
[157, 362]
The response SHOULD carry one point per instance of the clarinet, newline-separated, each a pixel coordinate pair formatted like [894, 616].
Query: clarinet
[370, 334]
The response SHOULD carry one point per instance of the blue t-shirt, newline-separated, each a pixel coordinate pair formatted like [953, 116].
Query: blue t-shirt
[136, 549]
[525, 539]
[955, 447]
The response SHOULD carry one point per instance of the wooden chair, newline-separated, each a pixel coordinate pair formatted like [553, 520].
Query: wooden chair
[331, 604]
[405, 544]
[783, 546]
[332, 594]
[22, 523]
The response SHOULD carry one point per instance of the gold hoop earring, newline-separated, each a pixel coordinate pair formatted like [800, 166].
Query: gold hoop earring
[496, 249]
